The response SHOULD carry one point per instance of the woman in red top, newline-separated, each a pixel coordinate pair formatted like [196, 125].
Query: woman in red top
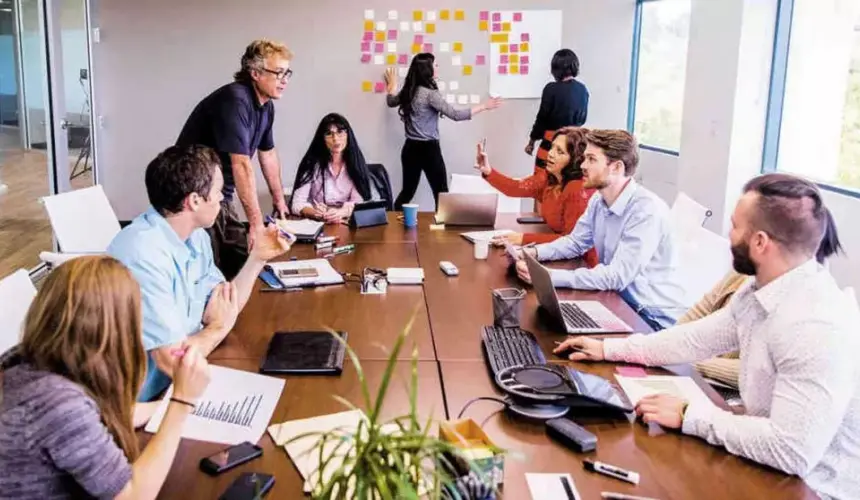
[558, 188]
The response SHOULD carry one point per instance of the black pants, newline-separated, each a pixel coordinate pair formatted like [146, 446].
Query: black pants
[417, 157]
[229, 241]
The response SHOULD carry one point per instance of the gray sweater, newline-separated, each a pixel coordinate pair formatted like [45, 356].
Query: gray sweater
[53, 444]
[427, 105]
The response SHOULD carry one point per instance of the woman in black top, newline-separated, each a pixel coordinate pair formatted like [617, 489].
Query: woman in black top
[564, 103]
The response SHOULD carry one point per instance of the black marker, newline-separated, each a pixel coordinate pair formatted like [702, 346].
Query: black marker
[611, 471]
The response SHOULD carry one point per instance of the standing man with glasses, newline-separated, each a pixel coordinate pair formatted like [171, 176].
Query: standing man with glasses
[236, 121]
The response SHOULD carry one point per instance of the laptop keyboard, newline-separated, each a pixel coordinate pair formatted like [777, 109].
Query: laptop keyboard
[576, 318]
[506, 347]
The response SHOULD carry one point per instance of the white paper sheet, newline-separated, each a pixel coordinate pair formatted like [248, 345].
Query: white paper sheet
[550, 486]
[326, 274]
[237, 406]
[16, 294]
[485, 235]
[82, 220]
[637, 388]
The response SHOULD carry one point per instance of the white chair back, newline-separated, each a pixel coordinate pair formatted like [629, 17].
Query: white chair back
[83, 220]
[16, 294]
[687, 211]
[477, 185]
[705, 258]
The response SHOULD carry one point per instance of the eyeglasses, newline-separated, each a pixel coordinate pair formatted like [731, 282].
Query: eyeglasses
[335, 133]
[284, 74]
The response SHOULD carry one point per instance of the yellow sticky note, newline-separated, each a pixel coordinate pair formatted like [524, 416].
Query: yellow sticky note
[459, 15]
[445, 15]
[499, 38]
[524, 47]
[483, 26]
[515, 58]
[416, 48]
[506, 27]
[430, 28]
[391, 59]
[418, 15]
[503, 49]
[380, 36]
[515, 69]
[367, 86]
[368, 26]
[458, 47]
[467, 70]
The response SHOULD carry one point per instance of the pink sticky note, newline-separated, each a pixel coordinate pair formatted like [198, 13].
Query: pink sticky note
[379, 48]
[368, 36]
[480, 60]
[497, 17]
[524, 60]
[497, 27]
[514, 48]
[631, 371]
[365, 46]
[524, 37]
[403, 59]
[365, 58]
[503, 59]
[484, 16]
[419, 39]
[518, 17]
[392, 34]
[503, 70]
[380, 87]
[524, 70]
[428, 47]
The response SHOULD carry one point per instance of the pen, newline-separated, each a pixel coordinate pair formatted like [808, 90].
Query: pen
[343, 249]
[567, 489]
[611, 471]
[326, 239]
[608, 495]
[324, 244]
[285, 234]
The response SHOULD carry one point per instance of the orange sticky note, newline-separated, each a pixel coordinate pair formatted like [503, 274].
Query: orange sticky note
[467, 70]
[380, 36]
[515, 69]
[503, 49]
[506, 27]
[483, 26]
[458, 47]
[459, 15]
[391, 59]
[367, 86]
[418, 15]
[445, 15]
[368, 26]
[499, 38]
[430, 28]
[416, 48]
[515, 58]
[524, 47]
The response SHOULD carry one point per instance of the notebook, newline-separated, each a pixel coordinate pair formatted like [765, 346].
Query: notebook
[305, 230]
[325, 273]
[306, 352]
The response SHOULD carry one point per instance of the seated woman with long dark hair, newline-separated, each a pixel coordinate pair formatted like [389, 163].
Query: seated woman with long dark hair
[333, 176]
[558, 188]
[67, 392]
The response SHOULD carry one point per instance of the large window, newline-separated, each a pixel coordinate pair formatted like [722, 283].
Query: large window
[818, 134]
[660, 64]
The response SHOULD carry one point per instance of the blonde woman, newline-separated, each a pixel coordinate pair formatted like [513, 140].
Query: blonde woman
[67, 392]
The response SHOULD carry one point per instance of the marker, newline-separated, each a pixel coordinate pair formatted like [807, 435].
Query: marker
[326, 239]
[608, 495]
[285, 234]
[611, 471]
[343, 249]
[324, 244]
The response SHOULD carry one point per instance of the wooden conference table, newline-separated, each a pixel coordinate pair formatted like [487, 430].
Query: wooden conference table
[449, 314]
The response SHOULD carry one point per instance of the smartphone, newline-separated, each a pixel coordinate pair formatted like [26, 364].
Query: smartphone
[531, 219]
[231, 457]
[269, 278]
[249, 486]
[300, 272]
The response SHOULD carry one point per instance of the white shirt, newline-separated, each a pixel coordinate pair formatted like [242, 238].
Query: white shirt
[799, 340]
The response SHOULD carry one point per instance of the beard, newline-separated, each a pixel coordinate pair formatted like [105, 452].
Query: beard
[597, 184]
[741, 260]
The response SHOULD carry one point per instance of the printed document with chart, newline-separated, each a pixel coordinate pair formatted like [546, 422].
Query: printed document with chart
[637, 388]
[236, 407]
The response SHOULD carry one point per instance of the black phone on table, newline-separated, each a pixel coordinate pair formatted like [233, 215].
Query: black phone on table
[249, 486]
[231, 457]
[530, 219]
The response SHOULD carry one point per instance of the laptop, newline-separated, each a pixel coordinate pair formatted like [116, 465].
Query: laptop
[577, 316]
[467, 209]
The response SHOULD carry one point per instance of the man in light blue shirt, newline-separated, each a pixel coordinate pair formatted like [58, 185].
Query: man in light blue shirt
[629, 227]
[186, 300]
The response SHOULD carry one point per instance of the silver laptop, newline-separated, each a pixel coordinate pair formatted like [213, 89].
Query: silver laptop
[577, 316]
[467, 209]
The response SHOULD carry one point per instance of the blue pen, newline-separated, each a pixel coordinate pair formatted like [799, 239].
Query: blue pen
[285, 234]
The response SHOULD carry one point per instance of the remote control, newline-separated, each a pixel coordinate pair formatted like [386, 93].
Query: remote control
[449, 268]
[571, 435]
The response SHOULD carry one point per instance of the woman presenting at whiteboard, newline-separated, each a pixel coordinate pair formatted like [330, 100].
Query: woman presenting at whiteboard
[420, 105]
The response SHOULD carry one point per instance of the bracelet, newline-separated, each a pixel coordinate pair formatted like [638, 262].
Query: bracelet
[183, 402]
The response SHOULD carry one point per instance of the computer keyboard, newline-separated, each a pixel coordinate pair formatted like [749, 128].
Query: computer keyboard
[575, 318]
[506, 347]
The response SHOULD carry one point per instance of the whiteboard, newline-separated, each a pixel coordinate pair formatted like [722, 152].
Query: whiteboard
[543, 28]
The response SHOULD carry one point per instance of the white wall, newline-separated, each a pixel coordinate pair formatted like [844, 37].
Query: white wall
[158, 58]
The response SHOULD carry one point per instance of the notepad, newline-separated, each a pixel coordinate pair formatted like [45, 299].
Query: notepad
[326, 274]
[686, 388]
[303, 229]
[485, 235]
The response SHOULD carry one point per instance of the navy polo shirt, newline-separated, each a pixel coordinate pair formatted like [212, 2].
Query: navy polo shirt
[230, 120]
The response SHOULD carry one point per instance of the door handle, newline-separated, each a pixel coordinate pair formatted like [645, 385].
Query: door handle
[64, 124]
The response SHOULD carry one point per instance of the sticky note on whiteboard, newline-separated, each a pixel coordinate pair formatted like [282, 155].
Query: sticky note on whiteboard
[518, 17]
[391, 59]
[392, 15]
[474, 99]
[392, 34]
[428, 47]
[497, 17]
[450, 98]
[379, 48]
[524, 69]
[484, 15]
[459, 15]
[379, 59]
[480, 60]
[430, 28]
[380, 87]
[431, 15]
[369, 14]
[403, 59]
[392, 47]
[503, 69]
[365, 58]
[367, 86]
[368, 26]
[405, 26]
[417, 26]
[456, 61]
[454, 86]
[524, 37]
[462, 99]
[368, 36]
[445, 15]
[442, 85]
[444, 47]
[402, 71]
[365, 46]
[467, 70]
[381, 26]
[419, 39]
[483, 26]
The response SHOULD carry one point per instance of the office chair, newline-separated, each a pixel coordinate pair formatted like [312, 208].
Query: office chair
[381, 183]
[83, 222]
[687, 211]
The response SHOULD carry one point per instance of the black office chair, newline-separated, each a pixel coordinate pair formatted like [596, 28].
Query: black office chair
[382, 183]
